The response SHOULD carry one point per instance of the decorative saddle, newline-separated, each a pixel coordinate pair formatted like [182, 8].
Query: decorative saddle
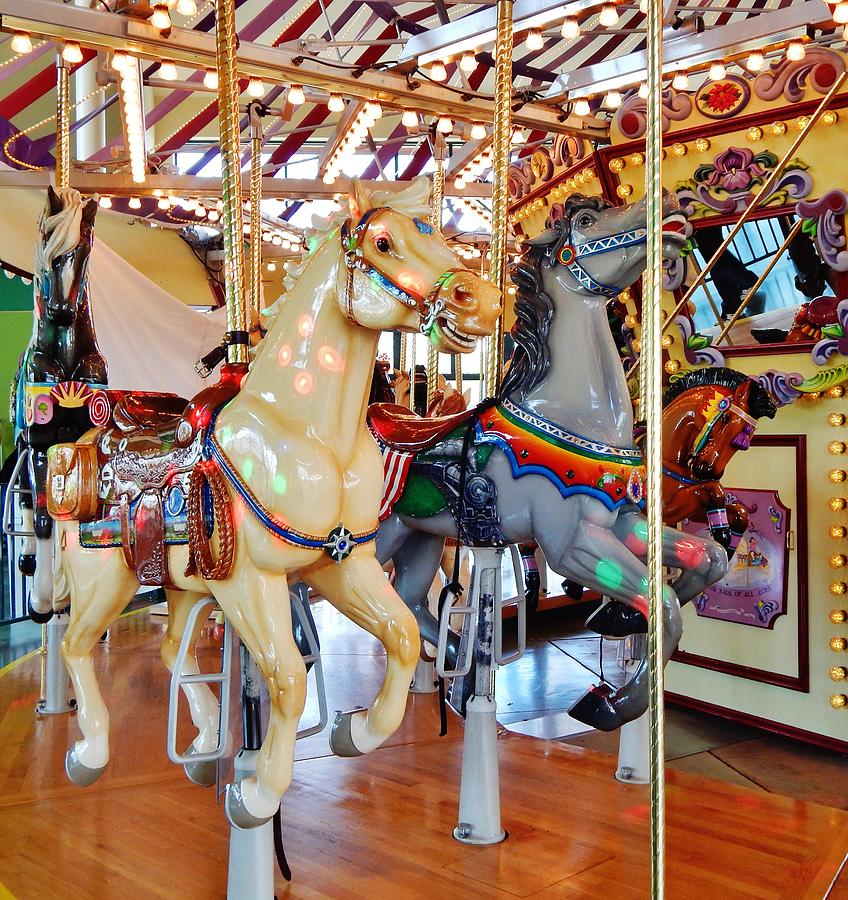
[127, 482]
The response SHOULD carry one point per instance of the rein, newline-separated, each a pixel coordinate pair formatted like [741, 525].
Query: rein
[570, 255]
[430, 306]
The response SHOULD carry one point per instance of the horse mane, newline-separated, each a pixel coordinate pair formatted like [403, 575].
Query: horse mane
[61, 231]
[761, 401]
[534, 307]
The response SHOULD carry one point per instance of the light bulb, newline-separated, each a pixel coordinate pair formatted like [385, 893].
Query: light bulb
[328, 178]
[796, 52]
[755, 62]
[680, 82]
[272, 267]
[213, 215]
[609, 15]
[296, 95]
[72, 52]
[374, 109]
[570, 28]
[717, 71]
[840, 13]
[517, 138]
[534, 39]
[459, 182]
[845, 33]
[277, 240]
[210, 79]
[643, 90]
[161, 18]
[438, 72]
[168, 71]
[336, 103]
[255, 88]
[189, 205]
[612, 100]
[164, 203]
[200, 212]
[105, 202]
[187, 8]
[478, 131]
[467, 62]
[409, 119]
[21, 42]
[444, 125]
[134, 203]
[581, 107]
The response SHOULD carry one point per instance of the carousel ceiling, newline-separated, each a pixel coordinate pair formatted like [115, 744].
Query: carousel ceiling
[428, 58]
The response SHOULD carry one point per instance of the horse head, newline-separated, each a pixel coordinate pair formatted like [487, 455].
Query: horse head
[401, 273]
[712, 413]
[598, 250]
[66, 231]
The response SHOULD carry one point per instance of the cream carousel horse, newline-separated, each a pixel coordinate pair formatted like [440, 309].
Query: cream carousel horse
[295, 480]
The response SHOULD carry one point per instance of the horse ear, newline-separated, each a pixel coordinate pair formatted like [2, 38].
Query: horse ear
[89, 211]
[360, 202]
[54, 202]
[742, 393]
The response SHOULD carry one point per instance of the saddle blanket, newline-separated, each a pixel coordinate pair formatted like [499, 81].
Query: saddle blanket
[396, 465]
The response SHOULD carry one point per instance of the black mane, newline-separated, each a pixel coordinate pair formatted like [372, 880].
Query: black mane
[534, 307]
[761, 401]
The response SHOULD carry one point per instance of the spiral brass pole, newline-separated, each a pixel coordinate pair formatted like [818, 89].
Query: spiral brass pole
[652, 380]
[501, 143]
[231, 220]
[63, 124]
[255, 217]
[436, 219]
[411, 360]
[457, 362]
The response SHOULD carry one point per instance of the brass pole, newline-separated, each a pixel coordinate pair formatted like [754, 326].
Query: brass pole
[457, 363]
[63, 124]
[411, 357]
[436, 219]
[42, 679]
[652, 380]
[402, 360]
[710, 300]
[228, 116]
[501, 144]
[762, 194]
[756, 286]
[255, 216]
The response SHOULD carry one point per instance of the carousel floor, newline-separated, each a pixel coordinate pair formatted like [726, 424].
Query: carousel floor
[378, 826]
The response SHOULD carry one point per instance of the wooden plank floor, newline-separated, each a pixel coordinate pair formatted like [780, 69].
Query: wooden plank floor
[379, 826]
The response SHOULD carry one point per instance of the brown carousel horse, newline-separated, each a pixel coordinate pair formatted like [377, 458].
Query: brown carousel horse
[708, 414]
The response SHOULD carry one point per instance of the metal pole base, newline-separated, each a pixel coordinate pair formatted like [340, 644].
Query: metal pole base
[250, 873]
[57, 683]
[633, 752]
[479, 793]
[424, 680]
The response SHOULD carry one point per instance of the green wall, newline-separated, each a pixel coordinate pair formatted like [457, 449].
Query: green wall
[15, 331]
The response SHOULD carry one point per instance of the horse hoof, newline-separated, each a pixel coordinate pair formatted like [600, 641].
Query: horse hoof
[37, 616]
[79, 773]
[237, 813]
[616, 619]
[341, 740]
[26, 564]
[596, 710]
[202, 773]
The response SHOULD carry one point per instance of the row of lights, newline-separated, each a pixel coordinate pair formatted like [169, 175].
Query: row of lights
[483, 214]
[468, 252]
[474, 168]
[837, 616]
[129, 85]
[680, 82]
[348, 145]
[161, 16]
[569, 186]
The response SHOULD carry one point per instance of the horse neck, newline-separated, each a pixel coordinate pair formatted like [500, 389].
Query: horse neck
[679, 430]
[315, 367]
[584, 390]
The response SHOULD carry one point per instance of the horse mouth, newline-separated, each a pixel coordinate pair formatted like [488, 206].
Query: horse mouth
[464, 341]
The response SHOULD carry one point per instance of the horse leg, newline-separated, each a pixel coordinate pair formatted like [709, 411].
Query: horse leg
[737, 519]
[597, 558]
[100, 586]
[257, 605]
[26, 559]
[358, 589]
[41, 593]
[202, 702]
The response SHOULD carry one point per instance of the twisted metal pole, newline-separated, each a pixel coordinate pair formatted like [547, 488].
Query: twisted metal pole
[501, 143]
[436, 219]
[63, 124]
[255, 216]
[652, 381]
[226, 43]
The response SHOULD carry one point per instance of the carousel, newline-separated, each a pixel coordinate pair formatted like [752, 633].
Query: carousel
[378, 374]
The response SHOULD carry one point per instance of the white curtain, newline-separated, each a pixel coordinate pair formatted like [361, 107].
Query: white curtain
[150, 339]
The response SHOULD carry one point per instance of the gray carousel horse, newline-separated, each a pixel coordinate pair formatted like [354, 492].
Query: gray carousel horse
[552, 458]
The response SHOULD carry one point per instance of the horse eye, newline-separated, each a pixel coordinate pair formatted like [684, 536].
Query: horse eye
[383, 244]
[585, 221]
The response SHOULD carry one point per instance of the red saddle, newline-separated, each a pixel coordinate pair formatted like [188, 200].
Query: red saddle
[161, 412]
[400, 428]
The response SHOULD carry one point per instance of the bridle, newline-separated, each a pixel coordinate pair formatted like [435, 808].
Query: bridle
[713, 412]
[570, 255]
[430, 305]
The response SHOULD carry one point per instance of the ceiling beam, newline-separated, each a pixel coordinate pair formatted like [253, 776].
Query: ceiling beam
[101, 30]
